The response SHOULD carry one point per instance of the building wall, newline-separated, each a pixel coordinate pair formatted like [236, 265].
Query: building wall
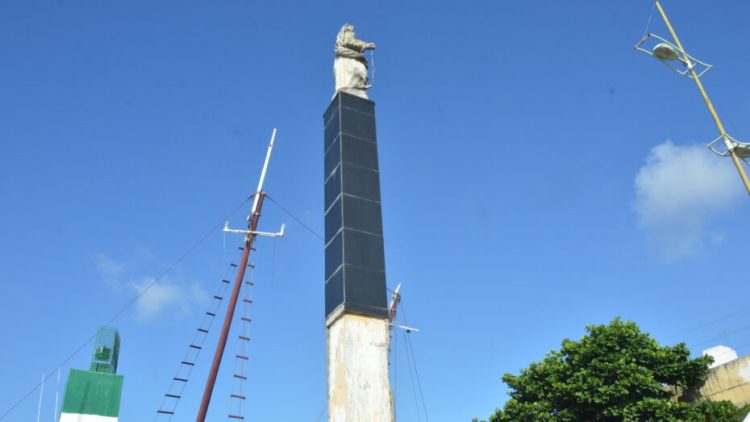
[730, 381]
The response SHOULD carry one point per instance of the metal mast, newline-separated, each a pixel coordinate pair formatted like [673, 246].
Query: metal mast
[250, 235]
[695, 76]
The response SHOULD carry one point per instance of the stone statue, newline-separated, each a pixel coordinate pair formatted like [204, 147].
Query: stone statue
[350, 65]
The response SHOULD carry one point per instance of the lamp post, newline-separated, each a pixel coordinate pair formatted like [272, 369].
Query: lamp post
[667, 52]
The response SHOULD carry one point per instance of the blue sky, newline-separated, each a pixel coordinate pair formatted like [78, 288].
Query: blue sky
[538, 175]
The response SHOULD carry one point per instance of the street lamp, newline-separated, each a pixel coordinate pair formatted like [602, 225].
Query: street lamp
[674, 56]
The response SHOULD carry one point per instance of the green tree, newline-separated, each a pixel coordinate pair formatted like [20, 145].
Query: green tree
[614, 373]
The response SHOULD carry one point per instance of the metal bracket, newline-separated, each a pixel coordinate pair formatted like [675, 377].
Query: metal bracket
[280, 233]
[405, 328]
[683, 57]
[742, 149]
[395, 300]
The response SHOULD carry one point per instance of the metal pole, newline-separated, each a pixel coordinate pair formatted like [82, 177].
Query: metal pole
[710, 106]
[262, 174]
[57, 394]
[230, 312]
[41, 394]
[249, 239]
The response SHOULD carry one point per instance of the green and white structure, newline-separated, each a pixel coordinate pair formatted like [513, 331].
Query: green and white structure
[94, 395]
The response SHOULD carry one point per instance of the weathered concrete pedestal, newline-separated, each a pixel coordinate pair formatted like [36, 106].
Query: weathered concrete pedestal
[355, 290]
[358, 386]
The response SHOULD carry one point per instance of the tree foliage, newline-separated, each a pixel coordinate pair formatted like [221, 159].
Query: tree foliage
[614, 373]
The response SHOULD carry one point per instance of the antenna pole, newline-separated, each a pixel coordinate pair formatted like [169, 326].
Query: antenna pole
[41, 394]
[709, 105]
[262, 175]
[395, 300]
[57, 394]
[249, 239]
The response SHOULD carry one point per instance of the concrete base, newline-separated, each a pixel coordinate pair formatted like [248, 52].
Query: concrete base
[358, 386]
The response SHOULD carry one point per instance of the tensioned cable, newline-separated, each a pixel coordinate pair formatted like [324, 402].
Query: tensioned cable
[725, 335]
[171, 399]
[648, 22]
[322, 412]
[712, 322]
[295, 218]
[410, 351]
[126, 307]
[413, 359]
[411, 375]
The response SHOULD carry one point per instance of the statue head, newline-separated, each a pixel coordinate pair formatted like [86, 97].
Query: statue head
[345, 28]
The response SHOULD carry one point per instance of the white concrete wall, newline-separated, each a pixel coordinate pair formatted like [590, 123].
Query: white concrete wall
[77, 417]
[358, 386]
[721, 355]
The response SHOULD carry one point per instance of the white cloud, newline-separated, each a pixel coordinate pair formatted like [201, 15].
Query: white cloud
[168, 295]
[109, 270]
[164, 296]
[677, 193]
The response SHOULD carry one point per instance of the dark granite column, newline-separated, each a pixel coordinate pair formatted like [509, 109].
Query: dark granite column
[354, 256]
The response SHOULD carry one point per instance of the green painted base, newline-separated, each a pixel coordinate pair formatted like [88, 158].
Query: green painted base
[93, 393]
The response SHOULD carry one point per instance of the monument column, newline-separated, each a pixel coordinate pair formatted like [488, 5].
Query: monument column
[355, 289]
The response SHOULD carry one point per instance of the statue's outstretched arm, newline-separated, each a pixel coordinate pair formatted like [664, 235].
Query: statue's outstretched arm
[358, 45]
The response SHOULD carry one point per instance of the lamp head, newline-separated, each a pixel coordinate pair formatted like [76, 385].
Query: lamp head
[665, 51]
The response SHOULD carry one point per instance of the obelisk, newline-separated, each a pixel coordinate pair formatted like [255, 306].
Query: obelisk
[355, 289]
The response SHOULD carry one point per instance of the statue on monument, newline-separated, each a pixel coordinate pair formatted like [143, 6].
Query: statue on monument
[350, 64]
